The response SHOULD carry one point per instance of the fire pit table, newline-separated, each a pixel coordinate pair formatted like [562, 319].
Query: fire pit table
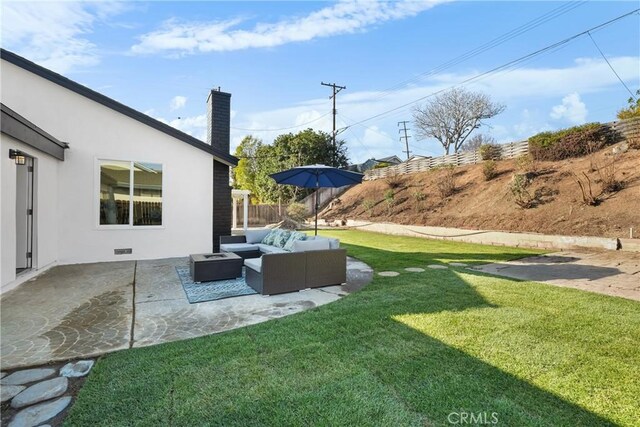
[219, 266]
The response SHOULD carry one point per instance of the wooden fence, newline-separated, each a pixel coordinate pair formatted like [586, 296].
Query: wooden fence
[508, 151]
[623, 129]
[325, 195]
[260, 215]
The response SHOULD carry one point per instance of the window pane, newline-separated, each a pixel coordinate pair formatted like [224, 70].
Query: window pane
[114, 192]
[147, 194]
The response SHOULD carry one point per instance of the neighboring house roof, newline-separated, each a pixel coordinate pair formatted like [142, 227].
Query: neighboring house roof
[18, 127]
[116, 106]
[390, 159]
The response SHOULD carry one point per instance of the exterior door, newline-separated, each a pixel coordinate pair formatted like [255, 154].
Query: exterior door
[24, 215]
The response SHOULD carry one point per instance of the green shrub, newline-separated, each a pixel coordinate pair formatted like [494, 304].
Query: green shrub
[519, 188]
[633, 110]
[490, 152]
[446, 180]
[526, 164]
[368, 205]
[297, 212]
[572, 142]
[419, 197]
[489, 169]
[394, 179]
[389, 197]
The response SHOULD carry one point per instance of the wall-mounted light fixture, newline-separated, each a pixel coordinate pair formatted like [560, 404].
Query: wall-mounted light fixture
[18, 156]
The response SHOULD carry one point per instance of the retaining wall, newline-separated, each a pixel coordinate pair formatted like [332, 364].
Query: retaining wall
[501, 238]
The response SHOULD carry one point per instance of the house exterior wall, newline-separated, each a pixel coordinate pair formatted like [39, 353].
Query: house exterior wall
[96, 132]
[45, 245]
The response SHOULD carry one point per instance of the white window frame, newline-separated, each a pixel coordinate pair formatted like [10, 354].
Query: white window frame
[96, 197]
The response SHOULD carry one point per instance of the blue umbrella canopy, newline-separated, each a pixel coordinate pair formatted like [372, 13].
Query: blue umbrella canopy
[317, 176]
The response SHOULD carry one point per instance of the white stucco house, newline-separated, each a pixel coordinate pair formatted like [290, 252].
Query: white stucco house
[88, 179]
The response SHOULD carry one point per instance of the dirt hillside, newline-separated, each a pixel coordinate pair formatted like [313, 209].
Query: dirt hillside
[490, 205]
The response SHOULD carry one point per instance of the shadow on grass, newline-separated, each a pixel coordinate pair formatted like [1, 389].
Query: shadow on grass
[345, 363]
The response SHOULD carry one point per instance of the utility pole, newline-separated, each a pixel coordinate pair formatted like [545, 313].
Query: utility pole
[336, 89]
[405, 137]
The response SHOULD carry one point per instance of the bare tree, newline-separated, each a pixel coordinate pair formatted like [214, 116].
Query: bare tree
[474, 143]
[451, 116]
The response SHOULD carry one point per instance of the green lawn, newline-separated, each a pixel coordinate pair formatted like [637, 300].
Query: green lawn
[407, 350]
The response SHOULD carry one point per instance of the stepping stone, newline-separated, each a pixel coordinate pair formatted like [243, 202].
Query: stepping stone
[8, 391]
[40, 392]
[438, 267]
[458, 264]
[389, 273]
[37, 414]
[76, 369]
[414, 269]
[28, 376]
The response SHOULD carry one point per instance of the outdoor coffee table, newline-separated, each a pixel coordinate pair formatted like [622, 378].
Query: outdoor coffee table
[219, 266]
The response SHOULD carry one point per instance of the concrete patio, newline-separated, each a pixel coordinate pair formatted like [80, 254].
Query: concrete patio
[614, 273]
[83, 310]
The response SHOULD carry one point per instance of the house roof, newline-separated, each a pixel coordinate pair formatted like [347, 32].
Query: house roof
[18, 127]
[116, 106]
[390, 159]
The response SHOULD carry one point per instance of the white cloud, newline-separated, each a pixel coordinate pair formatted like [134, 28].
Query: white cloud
[572, 109]
[177, 102]
[342, 18]
[526, 86]
[54, 34]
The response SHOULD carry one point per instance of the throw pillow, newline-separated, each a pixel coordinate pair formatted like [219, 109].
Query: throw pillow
[256, 236]
[268, 240]
[281, 238]
[310, 245]
[296, 235]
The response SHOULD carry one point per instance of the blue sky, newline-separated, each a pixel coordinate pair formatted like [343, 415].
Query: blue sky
[163, 57]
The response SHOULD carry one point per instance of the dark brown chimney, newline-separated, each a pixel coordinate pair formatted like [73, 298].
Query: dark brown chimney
[218, 119]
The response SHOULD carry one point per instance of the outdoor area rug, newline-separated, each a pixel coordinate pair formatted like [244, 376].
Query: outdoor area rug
[211, 291]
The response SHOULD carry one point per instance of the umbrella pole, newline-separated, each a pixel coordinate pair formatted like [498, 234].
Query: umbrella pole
[316, 205]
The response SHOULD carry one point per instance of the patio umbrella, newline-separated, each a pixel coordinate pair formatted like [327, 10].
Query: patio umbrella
[317, 176]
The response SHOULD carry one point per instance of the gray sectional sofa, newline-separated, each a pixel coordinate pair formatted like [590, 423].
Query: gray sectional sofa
[270, 269]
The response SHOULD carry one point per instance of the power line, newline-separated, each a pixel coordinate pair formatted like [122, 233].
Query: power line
[286, 128]
[561, 10]
[406, 137]
[611, 66]
[504, 66]
[336, 89]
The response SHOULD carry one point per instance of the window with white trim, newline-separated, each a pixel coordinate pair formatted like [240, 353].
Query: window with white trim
[130, 193]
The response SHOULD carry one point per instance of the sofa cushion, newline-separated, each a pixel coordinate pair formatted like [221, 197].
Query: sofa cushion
[254, 263]
[281, 238]
[238, 247]
[295, 235]
[268, 249]
[268, 239]
[333, 243]
[310, 245]
[256, 236]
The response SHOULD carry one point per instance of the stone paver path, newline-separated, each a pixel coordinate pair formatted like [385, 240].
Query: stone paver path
[438, 267]
[414, 269]
[41, 398]
[388, 273]
[79, 311]
[607, 272]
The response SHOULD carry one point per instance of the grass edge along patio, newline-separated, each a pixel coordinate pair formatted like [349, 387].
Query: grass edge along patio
[405, 350]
